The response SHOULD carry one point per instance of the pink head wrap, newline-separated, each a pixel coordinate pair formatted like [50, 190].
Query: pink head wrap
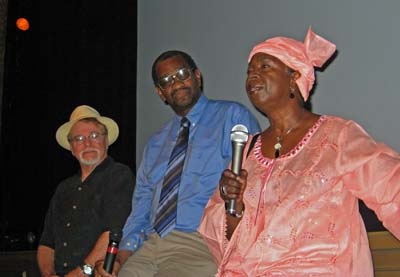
[302, 57]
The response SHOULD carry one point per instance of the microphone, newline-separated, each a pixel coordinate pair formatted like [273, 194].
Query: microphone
[112, 249]
[239, 137]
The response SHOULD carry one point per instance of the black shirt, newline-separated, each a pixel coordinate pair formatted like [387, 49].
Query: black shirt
[80, 212]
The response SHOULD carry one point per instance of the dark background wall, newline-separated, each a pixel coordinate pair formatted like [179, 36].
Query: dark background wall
[75, 52]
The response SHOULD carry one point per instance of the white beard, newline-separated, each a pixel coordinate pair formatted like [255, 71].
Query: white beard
[92, 161]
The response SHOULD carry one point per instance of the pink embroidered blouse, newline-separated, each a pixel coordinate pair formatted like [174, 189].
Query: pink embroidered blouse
[301, 216]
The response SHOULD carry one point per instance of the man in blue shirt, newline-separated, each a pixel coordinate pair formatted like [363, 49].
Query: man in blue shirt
[180, 252]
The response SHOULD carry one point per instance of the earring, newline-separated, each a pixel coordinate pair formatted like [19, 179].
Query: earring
[291, 95]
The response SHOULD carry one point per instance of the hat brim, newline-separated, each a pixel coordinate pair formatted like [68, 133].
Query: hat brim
[63, 131]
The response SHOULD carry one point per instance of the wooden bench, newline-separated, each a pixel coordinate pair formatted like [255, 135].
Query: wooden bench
[385, 249]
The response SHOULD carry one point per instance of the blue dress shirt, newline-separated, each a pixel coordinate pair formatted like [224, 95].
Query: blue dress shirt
[208, 154]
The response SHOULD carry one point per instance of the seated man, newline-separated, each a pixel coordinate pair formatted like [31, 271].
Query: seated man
[88, 204]
[181, 167]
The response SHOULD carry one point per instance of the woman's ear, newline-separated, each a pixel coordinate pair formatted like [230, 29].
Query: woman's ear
[293, 77]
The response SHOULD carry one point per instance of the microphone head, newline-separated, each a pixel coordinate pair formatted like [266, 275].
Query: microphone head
[116, 235]
[239, 133]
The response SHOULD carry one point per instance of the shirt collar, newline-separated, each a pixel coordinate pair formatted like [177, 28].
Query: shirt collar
[196, 112]
[100, 168]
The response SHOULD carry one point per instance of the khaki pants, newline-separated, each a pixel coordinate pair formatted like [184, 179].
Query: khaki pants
[178, 254]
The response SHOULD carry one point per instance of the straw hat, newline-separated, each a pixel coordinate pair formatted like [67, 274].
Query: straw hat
[82, 112]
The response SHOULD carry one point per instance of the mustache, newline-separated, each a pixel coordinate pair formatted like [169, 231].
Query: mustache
[173, 92]
[88, 150]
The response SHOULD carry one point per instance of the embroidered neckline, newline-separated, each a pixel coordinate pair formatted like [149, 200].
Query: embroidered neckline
[265, 160]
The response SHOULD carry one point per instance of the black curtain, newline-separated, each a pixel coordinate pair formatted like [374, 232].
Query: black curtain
[75, 52]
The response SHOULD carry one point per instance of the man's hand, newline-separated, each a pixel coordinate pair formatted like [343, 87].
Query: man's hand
[100, 272]
[121, 258]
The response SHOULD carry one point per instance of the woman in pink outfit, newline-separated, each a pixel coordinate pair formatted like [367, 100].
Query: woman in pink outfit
[297, 194]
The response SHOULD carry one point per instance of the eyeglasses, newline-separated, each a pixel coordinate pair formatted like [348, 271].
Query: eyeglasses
[80, 139]
[181, 75]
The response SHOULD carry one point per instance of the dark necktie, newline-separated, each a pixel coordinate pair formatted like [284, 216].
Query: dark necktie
[166, 213]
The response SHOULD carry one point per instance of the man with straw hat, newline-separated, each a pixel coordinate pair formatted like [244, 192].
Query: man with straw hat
[88, 204]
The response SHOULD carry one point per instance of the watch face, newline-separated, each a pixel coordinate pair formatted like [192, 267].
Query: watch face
[87, 269]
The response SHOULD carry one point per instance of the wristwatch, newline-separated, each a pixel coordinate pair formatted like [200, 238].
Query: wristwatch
[87, 269]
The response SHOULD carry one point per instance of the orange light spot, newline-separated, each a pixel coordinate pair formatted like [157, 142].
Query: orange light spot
[22, 24]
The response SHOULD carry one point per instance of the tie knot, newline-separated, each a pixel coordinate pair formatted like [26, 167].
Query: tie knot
[185, 122]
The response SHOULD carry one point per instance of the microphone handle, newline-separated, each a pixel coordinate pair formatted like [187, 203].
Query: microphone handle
[110, 257]
[236, 166]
